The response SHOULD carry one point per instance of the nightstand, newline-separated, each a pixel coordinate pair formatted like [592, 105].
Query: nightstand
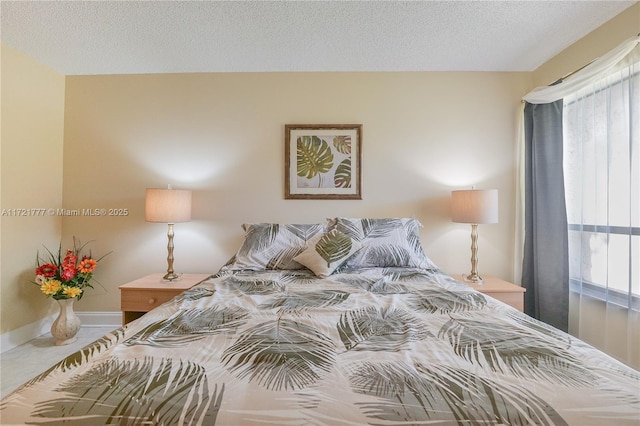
[142, 295]
[504, 291]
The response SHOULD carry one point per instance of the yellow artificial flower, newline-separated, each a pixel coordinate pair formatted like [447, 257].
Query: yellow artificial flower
[72, 291]
[50, 287]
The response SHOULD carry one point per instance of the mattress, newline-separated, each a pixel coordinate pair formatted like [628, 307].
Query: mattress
[365, 345]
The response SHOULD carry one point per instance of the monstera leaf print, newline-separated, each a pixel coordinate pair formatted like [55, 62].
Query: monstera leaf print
[419, 394]
[376, 329]
[314, 156]
[513, 350]
[445, 301]
[342, 176]
[342, 144]
[333, 246]
[134, 392]
[281, 355]
[189, 326]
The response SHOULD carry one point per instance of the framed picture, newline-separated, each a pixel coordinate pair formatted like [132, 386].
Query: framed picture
[322, 161]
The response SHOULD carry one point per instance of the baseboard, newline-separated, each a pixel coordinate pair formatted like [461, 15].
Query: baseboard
[100, 319]
[22, 335]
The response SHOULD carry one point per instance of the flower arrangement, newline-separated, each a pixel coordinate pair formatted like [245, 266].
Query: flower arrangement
[66, 277]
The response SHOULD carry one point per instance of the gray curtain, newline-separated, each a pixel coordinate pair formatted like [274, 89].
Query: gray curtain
[545, 268]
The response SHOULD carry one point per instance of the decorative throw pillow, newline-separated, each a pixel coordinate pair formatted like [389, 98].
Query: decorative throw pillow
[327, 251]
[273, 245]
[391, 242]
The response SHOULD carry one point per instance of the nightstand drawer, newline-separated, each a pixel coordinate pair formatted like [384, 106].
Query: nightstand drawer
[144, 294]
[139, 300]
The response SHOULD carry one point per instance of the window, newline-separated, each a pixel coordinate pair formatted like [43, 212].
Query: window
[602, 187]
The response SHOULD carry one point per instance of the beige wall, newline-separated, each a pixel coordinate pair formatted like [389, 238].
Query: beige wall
[222, 135]
[31, 177]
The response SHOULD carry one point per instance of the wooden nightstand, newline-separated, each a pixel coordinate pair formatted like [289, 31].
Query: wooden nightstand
[504, 291]
[142, 295]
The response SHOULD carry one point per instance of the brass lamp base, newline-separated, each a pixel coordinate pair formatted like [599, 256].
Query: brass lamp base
[474, 278]
[171, 277]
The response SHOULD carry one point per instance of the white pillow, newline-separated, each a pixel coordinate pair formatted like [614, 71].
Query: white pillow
[326, 251]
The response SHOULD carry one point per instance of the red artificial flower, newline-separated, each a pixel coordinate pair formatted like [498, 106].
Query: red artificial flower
[47, 270]
[70, 260]
[68, 273]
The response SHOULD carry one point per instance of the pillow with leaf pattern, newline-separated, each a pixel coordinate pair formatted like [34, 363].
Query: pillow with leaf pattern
[389, 242]
[273, 245]
[327, 251]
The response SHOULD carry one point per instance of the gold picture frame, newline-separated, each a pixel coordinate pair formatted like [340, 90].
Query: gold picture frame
[323, 161]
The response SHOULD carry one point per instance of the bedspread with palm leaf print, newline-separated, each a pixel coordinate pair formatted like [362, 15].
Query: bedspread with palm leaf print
[378, 346]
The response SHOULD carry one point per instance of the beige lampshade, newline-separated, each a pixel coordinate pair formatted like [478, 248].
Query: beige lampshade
[474, 206]
[167, 205]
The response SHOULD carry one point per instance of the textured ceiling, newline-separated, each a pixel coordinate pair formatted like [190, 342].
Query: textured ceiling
[123, 37]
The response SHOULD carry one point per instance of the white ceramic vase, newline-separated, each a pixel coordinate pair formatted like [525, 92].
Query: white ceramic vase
[66, 326]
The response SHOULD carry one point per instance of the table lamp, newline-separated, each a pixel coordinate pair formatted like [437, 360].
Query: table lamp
[168, 206]
[474, 206]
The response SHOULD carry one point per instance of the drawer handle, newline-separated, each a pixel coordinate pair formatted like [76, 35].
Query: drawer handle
[152, 301]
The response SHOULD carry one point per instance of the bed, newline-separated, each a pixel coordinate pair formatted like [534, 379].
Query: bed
[346, 322]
